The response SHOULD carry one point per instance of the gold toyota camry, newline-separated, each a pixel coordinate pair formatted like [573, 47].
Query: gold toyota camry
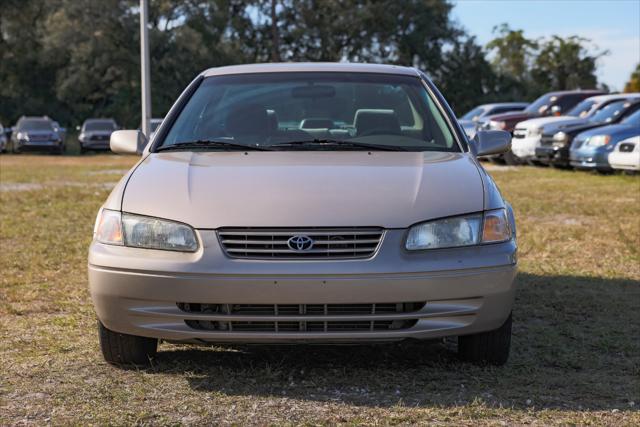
[305, 203]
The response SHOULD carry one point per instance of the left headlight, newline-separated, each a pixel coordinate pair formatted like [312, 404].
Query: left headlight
[115, 228]
[488, 227]
[493, 124]
[598, 140]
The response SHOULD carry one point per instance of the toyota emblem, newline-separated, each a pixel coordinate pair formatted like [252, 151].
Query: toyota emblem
[300, 243]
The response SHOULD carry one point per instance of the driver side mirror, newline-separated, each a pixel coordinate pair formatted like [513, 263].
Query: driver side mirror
[127, 142]
[489, 142]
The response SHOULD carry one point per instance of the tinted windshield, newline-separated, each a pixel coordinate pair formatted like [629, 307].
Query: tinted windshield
[541, 104]
[36, 124]
[473, 114]
[582, 109]
[272, 108]
[633, 119]
[103, 125]
[609, 111]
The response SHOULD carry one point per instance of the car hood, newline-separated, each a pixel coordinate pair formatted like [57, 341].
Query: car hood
[547, 121]
[304, 189]
[617, 132]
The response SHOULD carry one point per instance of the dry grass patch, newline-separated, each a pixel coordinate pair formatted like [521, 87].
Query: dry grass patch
[575, 360]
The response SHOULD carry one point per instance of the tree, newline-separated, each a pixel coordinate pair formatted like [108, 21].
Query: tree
[565, 63]
[513, 53]
[633, 85]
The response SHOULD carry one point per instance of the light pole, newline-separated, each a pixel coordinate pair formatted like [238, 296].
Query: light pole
[144, 68]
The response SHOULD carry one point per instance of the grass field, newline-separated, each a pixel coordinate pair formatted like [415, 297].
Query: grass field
[576, 344]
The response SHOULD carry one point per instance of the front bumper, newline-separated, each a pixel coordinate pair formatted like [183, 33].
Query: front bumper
[466, 290]
[91, 144]
[38, 145]
[525, 148]
[625, 161]
[589, 160]
[553, 155]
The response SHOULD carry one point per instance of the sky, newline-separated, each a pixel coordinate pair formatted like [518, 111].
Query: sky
[612, 25]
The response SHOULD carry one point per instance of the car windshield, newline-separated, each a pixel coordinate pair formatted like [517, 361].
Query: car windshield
[105, 125]
[633, 119]
[473, 114]
[339, 110]
[609, 112]
[541, 104]
[36, 124]
[582, 109]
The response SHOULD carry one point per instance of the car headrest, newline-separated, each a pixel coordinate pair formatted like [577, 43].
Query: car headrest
[369, 121]
[316, 123]
[248, 119]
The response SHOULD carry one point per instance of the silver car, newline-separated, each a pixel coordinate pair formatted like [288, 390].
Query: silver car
[305, 203]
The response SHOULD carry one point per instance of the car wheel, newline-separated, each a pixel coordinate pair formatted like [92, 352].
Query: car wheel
[511, 159]
[123, 349]
[487, 347]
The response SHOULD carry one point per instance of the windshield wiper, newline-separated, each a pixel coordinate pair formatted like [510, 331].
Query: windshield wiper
[210, 143]
[337, 142]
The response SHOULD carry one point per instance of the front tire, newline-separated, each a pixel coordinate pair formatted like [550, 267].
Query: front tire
[511, 159]
[126, 350]
[490, 348]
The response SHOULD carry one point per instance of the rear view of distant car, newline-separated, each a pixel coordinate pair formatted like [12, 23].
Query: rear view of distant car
[95, 134]
[36, 134]
[626, 155]
[470, 121]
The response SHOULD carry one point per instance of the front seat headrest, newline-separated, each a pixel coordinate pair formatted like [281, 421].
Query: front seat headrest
[370, 121]
[248, 120]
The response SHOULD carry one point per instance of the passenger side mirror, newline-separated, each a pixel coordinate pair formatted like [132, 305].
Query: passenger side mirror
[489, 142]
[127, 142]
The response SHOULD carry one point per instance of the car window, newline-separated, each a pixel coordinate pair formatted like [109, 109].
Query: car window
[610, 111]
[36, 125]
[500, 110]
[582, 109]
[566, 102]
[633, 119]
[93, 126]
[540, 105]
[271, 108]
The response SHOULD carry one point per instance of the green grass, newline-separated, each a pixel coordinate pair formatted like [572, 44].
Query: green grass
[575, 355]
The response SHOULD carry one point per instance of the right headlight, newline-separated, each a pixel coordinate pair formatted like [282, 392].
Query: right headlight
[468, 230]
[598, 140]
[115, 228]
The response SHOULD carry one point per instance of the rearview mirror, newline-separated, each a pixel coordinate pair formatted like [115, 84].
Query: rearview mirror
[489, 142]
[127, 141]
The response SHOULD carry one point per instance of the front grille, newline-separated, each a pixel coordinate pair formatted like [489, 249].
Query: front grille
[546, 140]
[40, 138]
[282, 311]
[340, 243]
[99, 137]
[627, 147]
[519, 133]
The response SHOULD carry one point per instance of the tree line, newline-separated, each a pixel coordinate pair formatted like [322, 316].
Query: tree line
[73, 59]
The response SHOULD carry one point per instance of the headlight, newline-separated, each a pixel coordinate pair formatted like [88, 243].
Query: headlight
[560, 137]
[598, 140]
[497, 125]
[490, 227]
[138, 231]
[22, 136]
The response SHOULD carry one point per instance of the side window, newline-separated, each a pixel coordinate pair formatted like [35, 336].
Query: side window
[567, 102]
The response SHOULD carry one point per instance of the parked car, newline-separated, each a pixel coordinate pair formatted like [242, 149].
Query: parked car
[591, 149]
[312, 203]
[36, 133]
[554, 146]
[626, 155]
[527, 134]
[469, 121]
[550, 104]
[95, 134]
[3, 139]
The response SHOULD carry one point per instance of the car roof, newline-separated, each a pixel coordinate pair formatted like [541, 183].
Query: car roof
[504, 104]
[612, 96]
[106, 119]
[339, 67]
[577, 91]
